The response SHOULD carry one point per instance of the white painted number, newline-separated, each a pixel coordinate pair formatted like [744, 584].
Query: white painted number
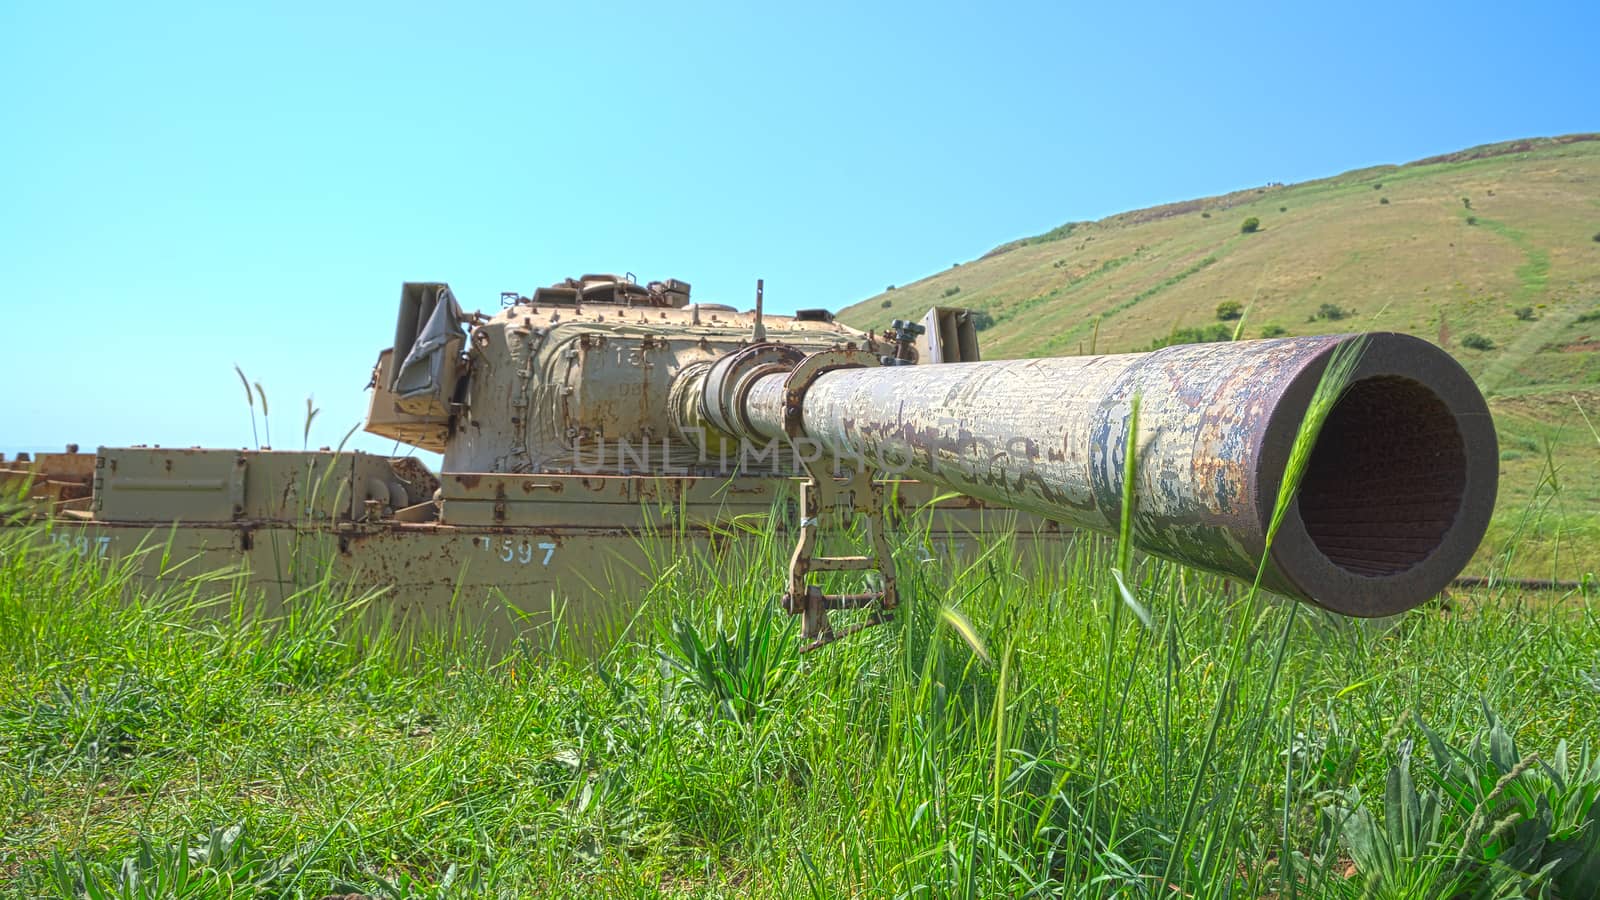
[82, 545]
[520, 552]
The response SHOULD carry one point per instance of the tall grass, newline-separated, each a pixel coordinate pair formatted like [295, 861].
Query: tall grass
[898, 763]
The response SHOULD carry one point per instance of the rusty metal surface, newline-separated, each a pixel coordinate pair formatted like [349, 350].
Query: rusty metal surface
[48, 483]
[1397, 496]
[587, 376]
[584, 559]
[160, 485]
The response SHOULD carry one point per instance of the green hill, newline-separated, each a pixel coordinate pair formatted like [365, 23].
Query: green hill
[1492, 252]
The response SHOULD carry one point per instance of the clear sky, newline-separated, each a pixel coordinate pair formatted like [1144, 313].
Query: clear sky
[186, 187]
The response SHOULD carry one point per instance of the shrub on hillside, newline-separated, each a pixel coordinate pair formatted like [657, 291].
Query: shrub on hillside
[1283, 209]
[1058, 233]
[1384, 201]
[1272, 331]
[981, 319]
[1476, 341]
[1597, 237]
[886, 304]
[1206, 334]
[1332, 312]
[888, 289]
[1525, 313]
[1472, 220]
[951, 291]
[1250, 226]
[1207, 215]
[1228, 310]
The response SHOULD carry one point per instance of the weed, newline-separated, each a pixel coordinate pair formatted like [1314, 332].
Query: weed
[85, 724]
[1494, 821]
[218, 864]
[741, 669]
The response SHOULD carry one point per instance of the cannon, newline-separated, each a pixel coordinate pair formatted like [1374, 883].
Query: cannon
[1394, 498]
[578, 420]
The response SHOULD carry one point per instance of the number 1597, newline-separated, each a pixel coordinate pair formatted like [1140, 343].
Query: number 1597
[521, 552]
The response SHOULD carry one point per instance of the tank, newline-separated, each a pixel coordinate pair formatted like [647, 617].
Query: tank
[600, 423]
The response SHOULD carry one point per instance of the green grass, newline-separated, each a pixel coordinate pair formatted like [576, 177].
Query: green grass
[1099, 726]
[1547, 521]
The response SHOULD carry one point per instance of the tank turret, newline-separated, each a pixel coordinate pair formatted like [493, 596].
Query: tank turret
[595, 374]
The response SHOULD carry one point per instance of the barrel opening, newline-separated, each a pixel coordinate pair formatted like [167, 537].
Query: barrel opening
[1386, 478]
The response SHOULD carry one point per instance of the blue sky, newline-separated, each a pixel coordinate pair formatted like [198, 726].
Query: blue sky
[186, 187]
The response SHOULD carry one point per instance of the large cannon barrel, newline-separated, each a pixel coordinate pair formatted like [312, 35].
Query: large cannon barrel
[1393, 501]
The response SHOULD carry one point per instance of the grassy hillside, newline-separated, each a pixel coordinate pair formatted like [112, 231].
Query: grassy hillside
[1492, 252]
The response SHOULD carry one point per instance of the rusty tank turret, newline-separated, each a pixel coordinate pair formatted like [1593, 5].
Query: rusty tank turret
[598, 418]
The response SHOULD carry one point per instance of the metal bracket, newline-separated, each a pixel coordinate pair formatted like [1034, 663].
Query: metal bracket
[904, 335]
[838, 501]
